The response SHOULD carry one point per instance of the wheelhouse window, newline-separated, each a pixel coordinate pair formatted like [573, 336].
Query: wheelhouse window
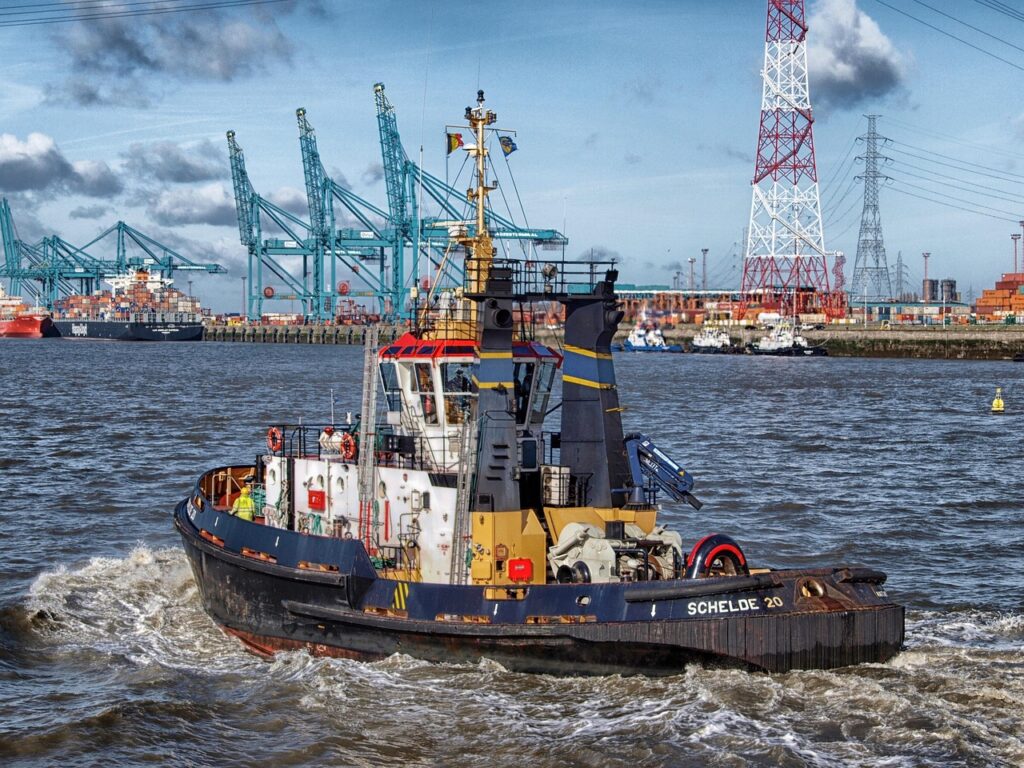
[523, 383]
[392, 390]
[423, 382]
[545, 380]
[459, 390]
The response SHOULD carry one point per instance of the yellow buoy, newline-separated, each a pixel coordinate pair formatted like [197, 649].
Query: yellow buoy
[997, 403]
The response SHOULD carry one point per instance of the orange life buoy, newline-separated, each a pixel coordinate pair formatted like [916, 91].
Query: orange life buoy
[348, 446]
[275, 440]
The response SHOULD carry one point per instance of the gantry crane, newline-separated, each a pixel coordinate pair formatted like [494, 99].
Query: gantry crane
[381, 239]
[251, 207]
[54, 267]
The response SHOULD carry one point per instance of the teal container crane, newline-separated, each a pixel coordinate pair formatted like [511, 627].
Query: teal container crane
[53, 267]
[354, 247]
[382, 249]
[250, 207]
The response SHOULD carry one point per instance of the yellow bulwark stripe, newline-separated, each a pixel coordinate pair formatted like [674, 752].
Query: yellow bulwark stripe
[401, 595]
[587, 352]
[495, 355]
[586, 382]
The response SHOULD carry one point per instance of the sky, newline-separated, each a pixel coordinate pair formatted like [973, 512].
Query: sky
[636, 122]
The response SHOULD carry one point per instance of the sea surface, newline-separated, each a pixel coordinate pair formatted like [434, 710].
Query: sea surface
[107, 658]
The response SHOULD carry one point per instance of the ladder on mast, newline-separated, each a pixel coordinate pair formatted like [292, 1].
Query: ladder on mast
[368, 522]
[461, 540]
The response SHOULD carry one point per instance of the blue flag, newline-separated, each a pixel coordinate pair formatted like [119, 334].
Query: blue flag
[507, 145]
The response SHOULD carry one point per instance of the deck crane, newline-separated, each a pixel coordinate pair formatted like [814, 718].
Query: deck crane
[652, 469]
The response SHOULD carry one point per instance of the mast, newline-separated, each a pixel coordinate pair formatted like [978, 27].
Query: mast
[490, 287]
[479, 247]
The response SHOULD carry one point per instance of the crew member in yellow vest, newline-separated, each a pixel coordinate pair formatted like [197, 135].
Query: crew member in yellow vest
[243, 506]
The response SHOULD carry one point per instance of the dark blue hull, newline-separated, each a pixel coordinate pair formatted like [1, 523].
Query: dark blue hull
[791, 352]
[277, 589]
[124, 330]
[673, 348]
[713, 350]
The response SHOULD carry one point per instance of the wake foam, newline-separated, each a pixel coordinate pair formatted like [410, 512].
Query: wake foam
[144, 607]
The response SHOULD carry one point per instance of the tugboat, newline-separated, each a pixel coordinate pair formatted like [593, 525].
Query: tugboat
[647, 337]
[782, 341]
[712, 341]
[462, 525]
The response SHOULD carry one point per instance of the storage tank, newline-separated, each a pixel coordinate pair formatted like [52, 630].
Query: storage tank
[929, 290]
[948, 290]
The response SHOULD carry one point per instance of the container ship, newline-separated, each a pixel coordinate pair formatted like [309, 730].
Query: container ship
[458, 521]
[140, 306]
[20, 321]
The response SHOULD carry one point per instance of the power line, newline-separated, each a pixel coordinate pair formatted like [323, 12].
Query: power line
[1013, 178]
[964, 189]
[939, 175]
[845, 229]
[834, 184]
[831, 206]
[76, 9]
[951, 205]
[37, 19]
[852, 143]
[958, 199]
[841, 217]
[950, 34]
[969, 26]
[953, 139]
[1002, 8]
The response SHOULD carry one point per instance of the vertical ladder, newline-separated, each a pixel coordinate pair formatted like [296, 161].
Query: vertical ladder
[367, 435]
[462, 529]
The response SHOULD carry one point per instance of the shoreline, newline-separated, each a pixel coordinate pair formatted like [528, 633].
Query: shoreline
[972, 342]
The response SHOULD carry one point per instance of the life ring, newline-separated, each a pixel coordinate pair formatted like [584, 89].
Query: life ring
[348, 446]
[275, 440]
[716, 547]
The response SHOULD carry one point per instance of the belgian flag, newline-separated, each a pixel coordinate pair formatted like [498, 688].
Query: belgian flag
[454, 141]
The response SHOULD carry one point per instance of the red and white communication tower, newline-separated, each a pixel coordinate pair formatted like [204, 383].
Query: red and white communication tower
[785, 260]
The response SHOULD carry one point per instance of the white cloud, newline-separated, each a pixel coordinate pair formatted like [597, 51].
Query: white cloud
[850, 60]
[208, 204]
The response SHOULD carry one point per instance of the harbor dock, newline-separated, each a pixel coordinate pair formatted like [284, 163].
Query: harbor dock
[963, 342]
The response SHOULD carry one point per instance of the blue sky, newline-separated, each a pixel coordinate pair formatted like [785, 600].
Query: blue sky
[636, 122]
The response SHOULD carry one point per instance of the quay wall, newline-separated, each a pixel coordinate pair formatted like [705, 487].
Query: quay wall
[975, 342]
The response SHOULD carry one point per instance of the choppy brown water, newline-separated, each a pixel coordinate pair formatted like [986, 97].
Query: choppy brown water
[107, 658]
